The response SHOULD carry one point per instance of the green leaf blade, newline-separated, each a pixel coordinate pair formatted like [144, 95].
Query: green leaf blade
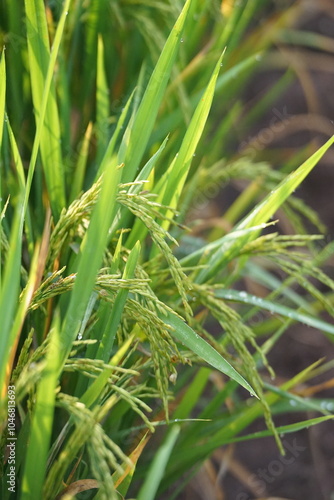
[50, 145]
[205, 351]
[149, 107]
[261, 214]
[155, 473]
[273, 307]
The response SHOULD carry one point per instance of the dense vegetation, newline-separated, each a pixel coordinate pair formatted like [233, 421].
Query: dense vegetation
[121, 311]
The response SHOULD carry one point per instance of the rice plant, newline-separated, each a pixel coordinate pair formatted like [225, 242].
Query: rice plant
[117, 309]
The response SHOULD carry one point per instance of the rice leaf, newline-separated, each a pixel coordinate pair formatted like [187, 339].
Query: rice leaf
[186, 335]
[115, 314]
[42, 420]
[156, 470]
[39, 59]
[102, 102]
[42, 65]
[260, 214]
[2, 119]
[79, 174]
[149, 106]
[122, 481]
[284, 429]
[2, 96]
[177, 175]
[224, 82]
[274, 307]
[90, 259]
[9, 292]
[110, 150]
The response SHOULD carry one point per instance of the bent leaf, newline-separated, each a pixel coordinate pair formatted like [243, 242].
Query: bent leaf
[186, 335]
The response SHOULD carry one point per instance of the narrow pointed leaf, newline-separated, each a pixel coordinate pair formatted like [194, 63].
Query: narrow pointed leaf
[39, 58]
[122, 481]
[92, 251]
[273, 307]
[79, 174]
[261, 214]
[42, 420]
[181, 166]
[102, 102]
[2, 94]
[186, 335]
[115, 314]
[157, 468]
[110, 151]
[149, 107]
[45, 104]
[284, 429]
[9, 293]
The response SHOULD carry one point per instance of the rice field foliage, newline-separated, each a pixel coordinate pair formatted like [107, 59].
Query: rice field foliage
[116, 310]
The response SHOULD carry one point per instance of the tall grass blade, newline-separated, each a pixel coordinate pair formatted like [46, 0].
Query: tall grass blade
[2, 120]
[39, 58]
[284, 429]
[149, 106]
[43, 64]
[9, 293]
[90, 259]
[80, 168]
[180, 168]
[102, 103]
[115, 314]
[123, 481]
[42, 420]
[93, 392]
[274, 307]
[112, 143]
[224, 82]
[261, 214]
[2, 95]
[155, 473]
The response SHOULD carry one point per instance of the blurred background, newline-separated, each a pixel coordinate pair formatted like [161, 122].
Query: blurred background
[298, 76]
